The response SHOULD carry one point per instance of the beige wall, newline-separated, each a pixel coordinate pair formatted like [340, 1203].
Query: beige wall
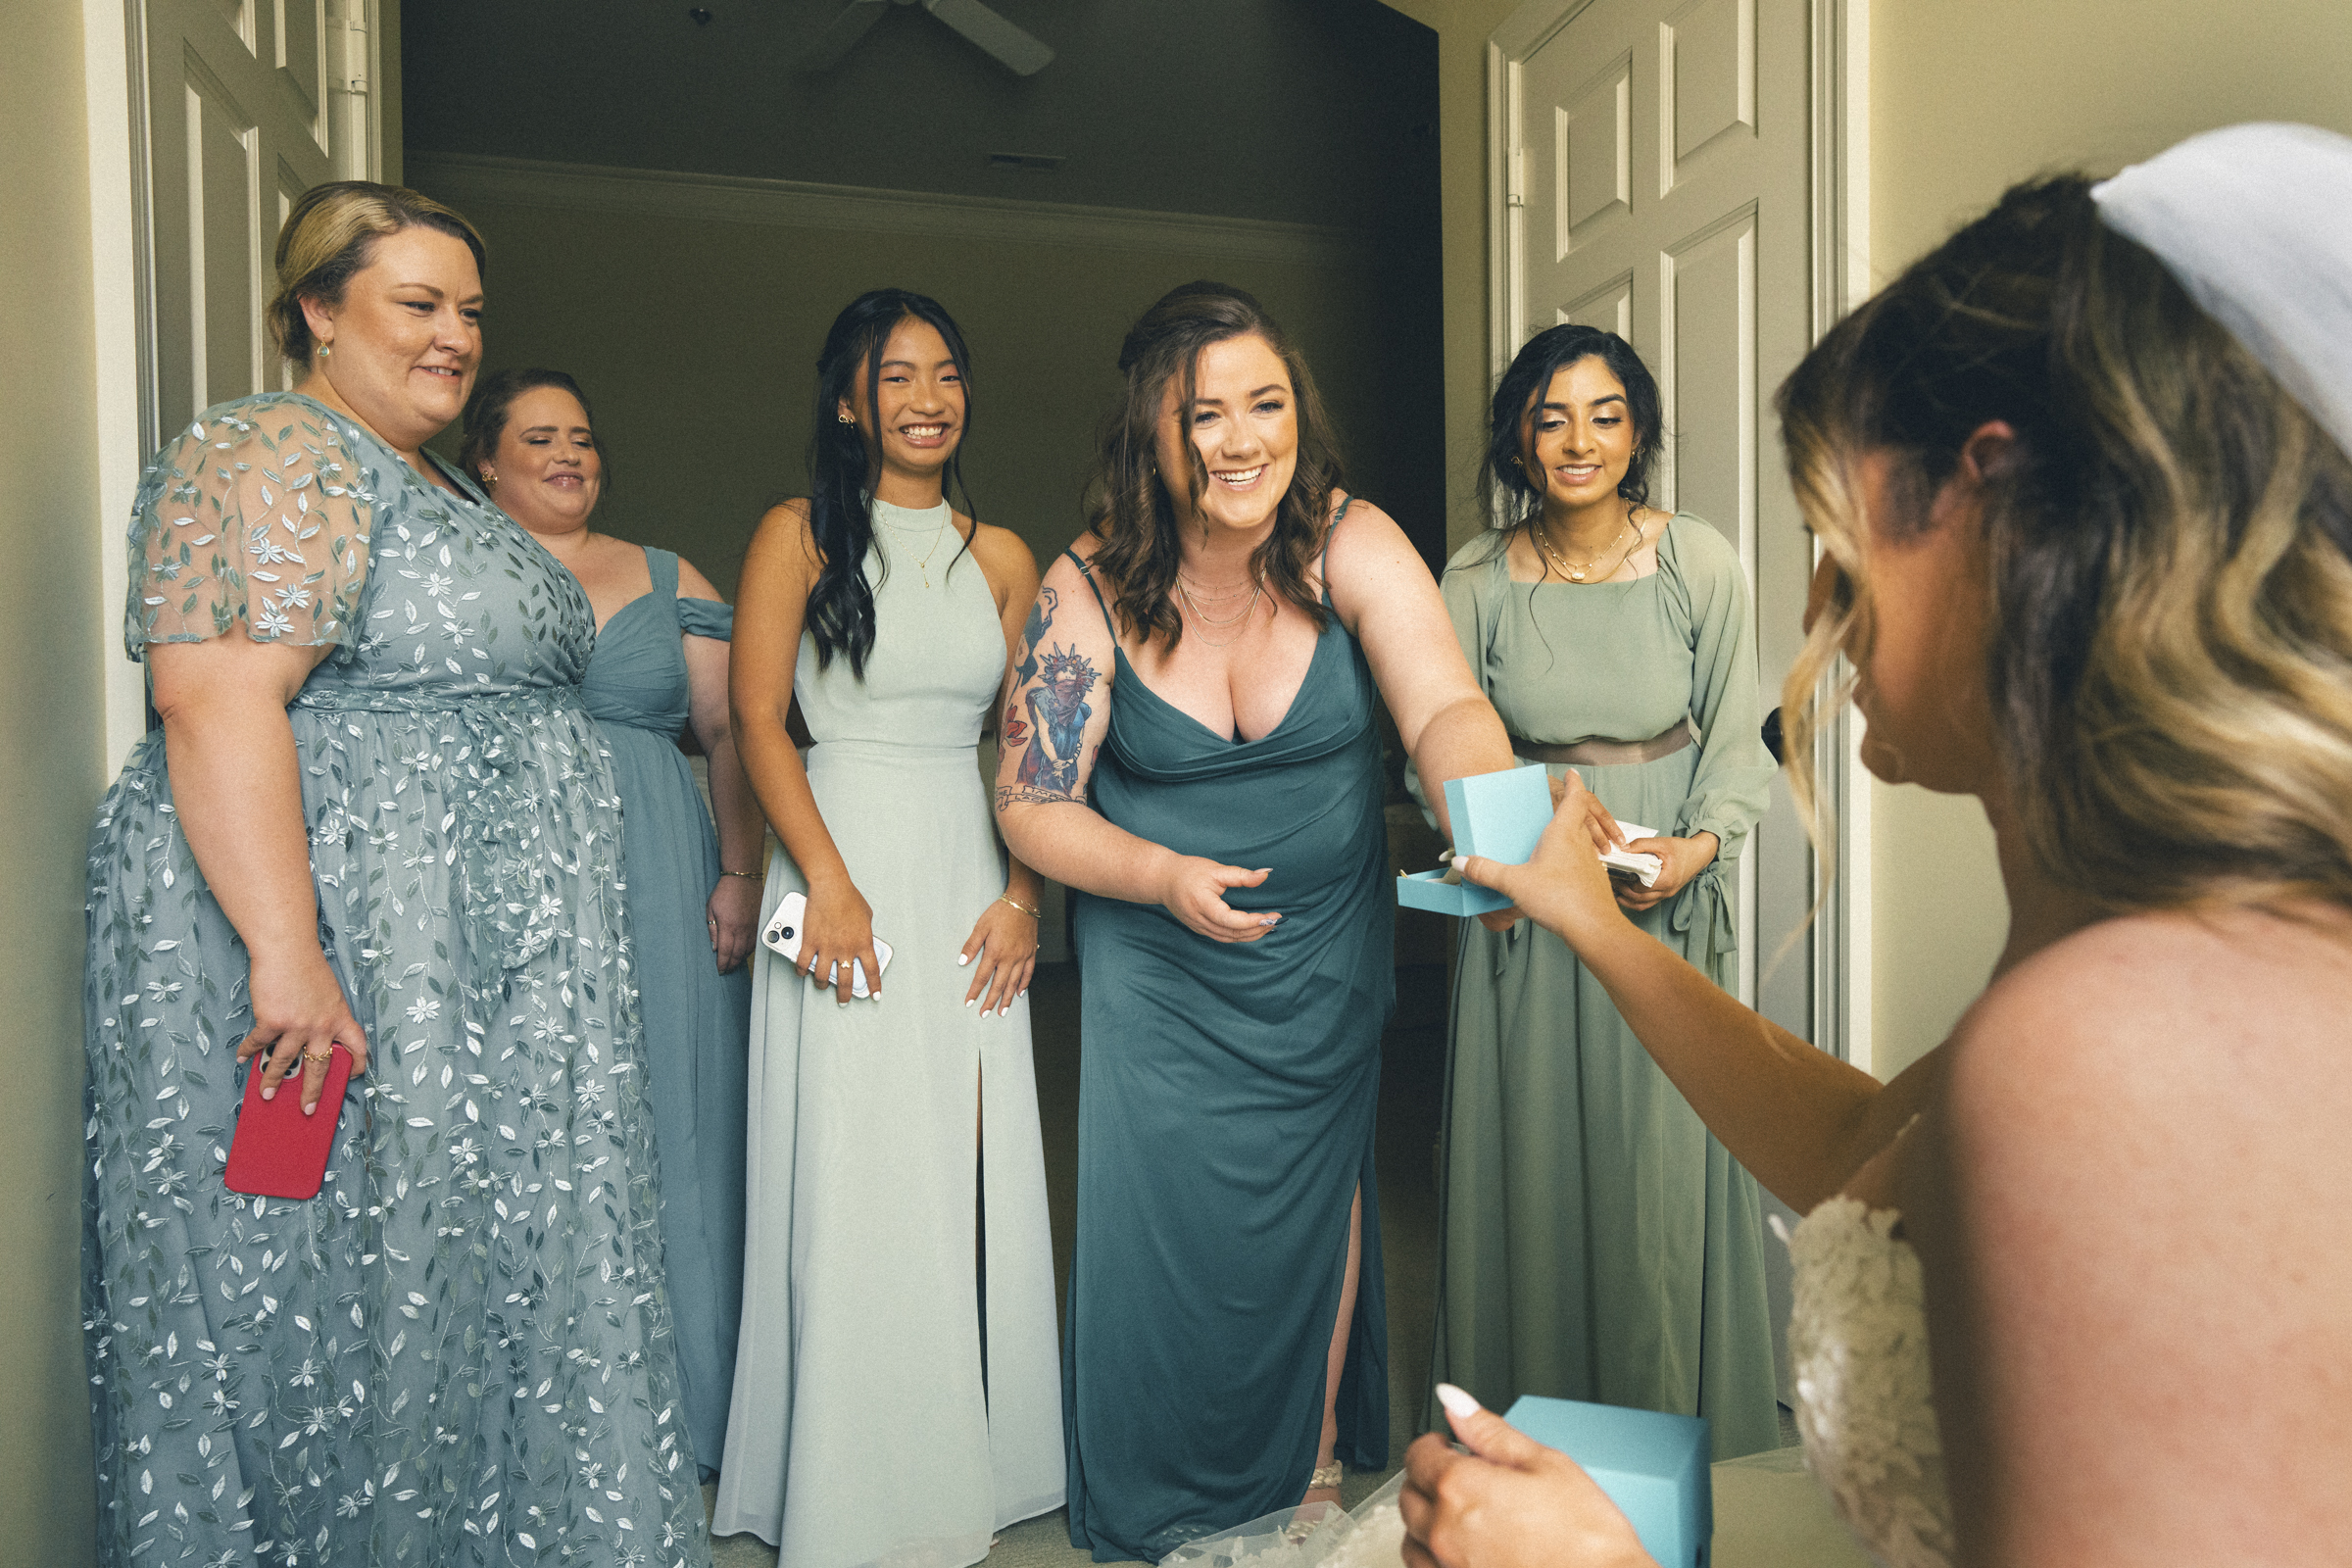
[1965, 101]
[697, 339]
[50, 758]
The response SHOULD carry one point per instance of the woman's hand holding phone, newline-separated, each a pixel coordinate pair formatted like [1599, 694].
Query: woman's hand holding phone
[1003, 953]
[299, 1013]
[837, 934]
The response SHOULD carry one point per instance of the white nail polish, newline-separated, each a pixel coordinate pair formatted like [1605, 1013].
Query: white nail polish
[1457, 1403]
[269, 1092]
[962, 959]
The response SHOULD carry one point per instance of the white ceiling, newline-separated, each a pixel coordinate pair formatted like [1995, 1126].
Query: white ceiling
[1303, 111]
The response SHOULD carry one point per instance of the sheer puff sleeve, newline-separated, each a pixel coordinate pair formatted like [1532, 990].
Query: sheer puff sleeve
[256, 518]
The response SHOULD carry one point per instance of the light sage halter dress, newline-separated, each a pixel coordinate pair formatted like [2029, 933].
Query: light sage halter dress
[460, 1351]
[893, 1403]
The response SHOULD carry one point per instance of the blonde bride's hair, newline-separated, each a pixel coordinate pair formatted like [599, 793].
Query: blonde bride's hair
[2170, 556]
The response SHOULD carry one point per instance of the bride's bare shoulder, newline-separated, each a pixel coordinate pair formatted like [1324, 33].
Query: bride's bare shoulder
[2188, 1053]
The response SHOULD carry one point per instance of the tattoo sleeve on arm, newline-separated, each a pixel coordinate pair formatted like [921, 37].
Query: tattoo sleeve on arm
[1057, 715]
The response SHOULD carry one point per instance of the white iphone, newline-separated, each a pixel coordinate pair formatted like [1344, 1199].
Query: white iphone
[783, 934]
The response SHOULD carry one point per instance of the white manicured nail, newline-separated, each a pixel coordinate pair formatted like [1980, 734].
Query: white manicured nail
[1456, 1402]
[962, 959]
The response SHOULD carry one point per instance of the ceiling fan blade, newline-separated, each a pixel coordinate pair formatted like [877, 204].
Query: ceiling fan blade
[842, 33]
[1016, 51]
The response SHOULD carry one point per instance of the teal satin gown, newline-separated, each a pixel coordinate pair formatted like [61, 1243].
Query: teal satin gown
[697, 1021]
[1225, 1121]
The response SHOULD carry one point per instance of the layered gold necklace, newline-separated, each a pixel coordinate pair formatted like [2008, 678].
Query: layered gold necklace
[1577, 573]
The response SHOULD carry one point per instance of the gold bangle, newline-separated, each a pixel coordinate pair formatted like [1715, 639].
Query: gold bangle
[724, 871]
[1006, 898]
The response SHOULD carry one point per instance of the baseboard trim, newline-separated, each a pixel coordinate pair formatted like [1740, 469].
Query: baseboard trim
[461, 179]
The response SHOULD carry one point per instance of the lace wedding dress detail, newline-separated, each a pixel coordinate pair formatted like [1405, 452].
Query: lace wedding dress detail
[1858, 1355]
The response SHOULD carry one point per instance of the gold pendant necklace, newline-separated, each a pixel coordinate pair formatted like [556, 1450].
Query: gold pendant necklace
[922, 562]
[1578, 573]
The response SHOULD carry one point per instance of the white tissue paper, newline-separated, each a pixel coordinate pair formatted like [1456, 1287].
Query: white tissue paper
[1316, 1536]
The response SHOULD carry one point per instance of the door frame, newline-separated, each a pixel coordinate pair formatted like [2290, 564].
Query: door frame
[113, 60]
[1837, 53]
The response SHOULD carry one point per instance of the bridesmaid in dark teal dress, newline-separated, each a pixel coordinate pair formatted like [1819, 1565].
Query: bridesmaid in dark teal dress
[660, 669]
[1192, 746]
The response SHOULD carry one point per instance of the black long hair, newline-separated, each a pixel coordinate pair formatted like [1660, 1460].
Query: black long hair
[842, 465]
[1515, 499]
[1137, 510]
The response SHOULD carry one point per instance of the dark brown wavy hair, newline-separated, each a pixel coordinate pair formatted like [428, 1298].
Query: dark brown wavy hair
[2168, 564]
[1128, 498]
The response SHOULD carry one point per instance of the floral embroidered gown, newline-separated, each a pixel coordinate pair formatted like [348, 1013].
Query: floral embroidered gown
[460, 1350]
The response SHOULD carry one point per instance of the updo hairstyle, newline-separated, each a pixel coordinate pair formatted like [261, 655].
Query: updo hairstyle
[2169, 555]
[329, 238]
[1129, 501]
[493, 400]
[1514, 499]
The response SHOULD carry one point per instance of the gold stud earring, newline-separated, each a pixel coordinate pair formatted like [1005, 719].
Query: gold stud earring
[846, 419]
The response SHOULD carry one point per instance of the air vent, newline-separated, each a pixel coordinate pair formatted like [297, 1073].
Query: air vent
[1036, 161]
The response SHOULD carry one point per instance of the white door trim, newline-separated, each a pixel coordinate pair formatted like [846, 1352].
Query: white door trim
[122, 353]
[1840, 92]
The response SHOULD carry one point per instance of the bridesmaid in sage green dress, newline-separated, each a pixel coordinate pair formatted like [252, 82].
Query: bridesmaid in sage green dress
[660, 669]
[1598, 1244]
[1191, 744]
[377, 816]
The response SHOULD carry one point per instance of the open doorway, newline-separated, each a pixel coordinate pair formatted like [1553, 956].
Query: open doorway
[675, 212]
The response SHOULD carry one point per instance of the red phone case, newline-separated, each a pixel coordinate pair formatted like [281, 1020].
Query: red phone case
[278, 1151]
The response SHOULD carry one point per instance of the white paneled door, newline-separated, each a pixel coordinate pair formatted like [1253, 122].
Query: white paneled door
[1654, 180]
[248, 103]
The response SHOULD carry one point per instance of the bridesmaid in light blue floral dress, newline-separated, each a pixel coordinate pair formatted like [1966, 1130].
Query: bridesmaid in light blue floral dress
[458, 1352]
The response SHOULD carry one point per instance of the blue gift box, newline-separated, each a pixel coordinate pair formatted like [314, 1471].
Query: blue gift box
[1500, 816]
[1653, 1466]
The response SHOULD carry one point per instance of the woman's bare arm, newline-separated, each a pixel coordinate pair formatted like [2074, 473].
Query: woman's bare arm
[1386, 597]
[734, 904]
[771, 603]
[1062, 671]
[1800, 1121]
[237, 793]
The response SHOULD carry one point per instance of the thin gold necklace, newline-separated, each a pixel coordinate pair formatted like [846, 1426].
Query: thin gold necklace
[1578, 574]
[1231, 620]
[922, 562]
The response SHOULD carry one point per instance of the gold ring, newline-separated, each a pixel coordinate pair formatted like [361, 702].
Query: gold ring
[319, 1055]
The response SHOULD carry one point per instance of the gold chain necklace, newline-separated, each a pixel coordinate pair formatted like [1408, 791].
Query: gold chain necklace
[1578, 573]
[1231, 620]
[922, 562]
[1241, 619]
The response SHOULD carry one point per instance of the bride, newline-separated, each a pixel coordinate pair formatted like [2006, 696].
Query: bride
[2075, 1287]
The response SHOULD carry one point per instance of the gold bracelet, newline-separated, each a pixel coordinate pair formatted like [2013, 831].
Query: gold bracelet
[1006, 898]
[724, 871]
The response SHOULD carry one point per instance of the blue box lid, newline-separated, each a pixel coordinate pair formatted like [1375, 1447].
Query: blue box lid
[1653, 1466]
[1500, 816]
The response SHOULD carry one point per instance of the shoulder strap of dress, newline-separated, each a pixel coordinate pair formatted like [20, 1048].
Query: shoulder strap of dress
[1086, 569]
[1324, 570]
[663, 567]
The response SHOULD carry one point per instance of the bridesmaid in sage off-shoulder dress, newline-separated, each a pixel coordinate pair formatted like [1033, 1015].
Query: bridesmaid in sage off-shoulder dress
[660, 669]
